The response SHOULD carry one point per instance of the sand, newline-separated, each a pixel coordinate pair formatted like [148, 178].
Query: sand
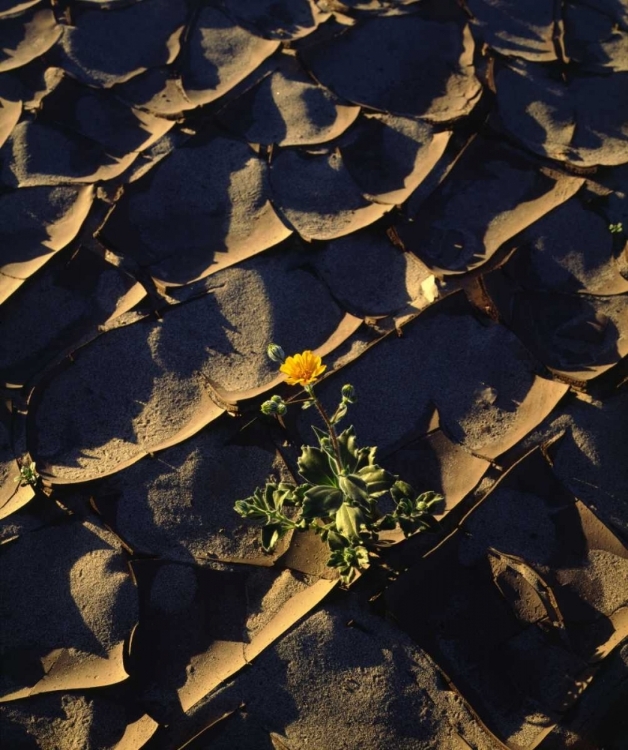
[430, 195]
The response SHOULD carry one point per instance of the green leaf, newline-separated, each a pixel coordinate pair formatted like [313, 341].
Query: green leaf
[299, 493]
[281, 493]
[354, 487]
[337, 560]
[270, 499]
[386, 523]
[315, 467]
[321, 501]
[336, 541]
[285, 492]
[354, 458]
[408, 525]
[250, 508]
[431, 500]
[362, 557]
[307, 403]
[378, 481]
[326, 446]
[348, 576]
[401, 490]
[405, 507]
[348, 560]
[348, 448]
[341, 412]
[271, 534]
[349, 519]
[366, 457]
[241, 507]
[412, 525]
[320, 434]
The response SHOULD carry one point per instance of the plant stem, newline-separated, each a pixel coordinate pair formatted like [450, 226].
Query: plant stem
[328, 424]
[280, 518]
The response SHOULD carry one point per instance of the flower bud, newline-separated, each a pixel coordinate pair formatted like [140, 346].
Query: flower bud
[276, 353]
[348, 393]
[269, 408]
[275, 407]
[327, 445]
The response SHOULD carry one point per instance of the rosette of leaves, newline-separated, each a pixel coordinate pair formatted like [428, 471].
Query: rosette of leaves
[338, 499]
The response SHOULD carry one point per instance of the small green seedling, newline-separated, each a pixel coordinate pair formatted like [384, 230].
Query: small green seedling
[28, 475]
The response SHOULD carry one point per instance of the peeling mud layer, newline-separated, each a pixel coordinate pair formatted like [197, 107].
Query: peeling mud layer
[431, 195]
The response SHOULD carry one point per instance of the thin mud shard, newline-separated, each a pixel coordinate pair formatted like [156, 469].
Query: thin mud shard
[205, 207]
[105, 47]
[179, 507]
[589, 458]
[389, 157]
[317, 195]
[10, 113]
[594, 37]
[40, 154]
[27, 36]
[351, 266]
[79, 135]
[211, 609]
[72, 635]
[96, 115]
[575, 335]
[396, 693]
[524, 31]
[212, 132]
[570, 250]
[218, 55]
[582, 121]
[157, 390]
[87, 719]
[492, 193]
[485, 403]
[516, 621]
[66, 301]
[35, 224]
[430, 75]
[278, 19]
[288, 108]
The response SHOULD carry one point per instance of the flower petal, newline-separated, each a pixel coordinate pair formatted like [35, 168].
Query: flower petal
[302, 368]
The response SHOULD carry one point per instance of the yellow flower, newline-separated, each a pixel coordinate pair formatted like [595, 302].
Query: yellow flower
[303, 368]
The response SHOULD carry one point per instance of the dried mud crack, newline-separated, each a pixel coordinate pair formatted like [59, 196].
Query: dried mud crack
[431, 195]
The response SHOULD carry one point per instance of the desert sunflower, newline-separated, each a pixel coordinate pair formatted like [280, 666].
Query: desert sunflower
[303, 369]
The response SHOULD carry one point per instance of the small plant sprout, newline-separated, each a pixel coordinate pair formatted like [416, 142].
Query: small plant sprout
[28, 475]
[340, 486]
[616, 228]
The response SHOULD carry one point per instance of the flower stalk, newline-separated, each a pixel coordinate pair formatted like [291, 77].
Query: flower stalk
[328, 423]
